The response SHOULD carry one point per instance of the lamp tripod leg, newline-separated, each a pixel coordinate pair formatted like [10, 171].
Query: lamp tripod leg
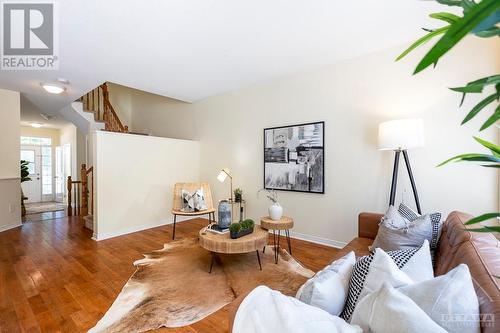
[394, 178]
[412, 180]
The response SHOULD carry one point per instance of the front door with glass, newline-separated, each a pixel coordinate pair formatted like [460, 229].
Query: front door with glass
[38, 152]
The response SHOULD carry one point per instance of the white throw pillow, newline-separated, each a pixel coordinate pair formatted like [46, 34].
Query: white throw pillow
[450, 300]
[267, 310]
[328, 289]
[389, 311]
[396, 267]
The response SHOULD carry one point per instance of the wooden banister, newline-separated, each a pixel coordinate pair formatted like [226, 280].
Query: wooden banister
[97, 101]
[74, 198]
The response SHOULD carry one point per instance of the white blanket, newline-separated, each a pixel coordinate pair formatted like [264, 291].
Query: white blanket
[267, 310]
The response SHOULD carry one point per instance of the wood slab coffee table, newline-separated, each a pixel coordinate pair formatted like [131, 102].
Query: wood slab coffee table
[222, 243]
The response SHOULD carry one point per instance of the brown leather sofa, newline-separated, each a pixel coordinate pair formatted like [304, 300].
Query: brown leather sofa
[480, 251]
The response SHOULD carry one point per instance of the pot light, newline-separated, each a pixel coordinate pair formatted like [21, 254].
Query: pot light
[53, 88]
[36, 125]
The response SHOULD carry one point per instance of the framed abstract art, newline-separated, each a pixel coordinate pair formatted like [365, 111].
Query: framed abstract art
[294, 158]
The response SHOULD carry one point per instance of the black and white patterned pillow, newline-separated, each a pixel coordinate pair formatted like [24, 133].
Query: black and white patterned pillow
[411, 216]
[193, 202]
[360, 272]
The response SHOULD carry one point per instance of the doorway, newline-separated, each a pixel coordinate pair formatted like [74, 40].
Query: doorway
[45, 190]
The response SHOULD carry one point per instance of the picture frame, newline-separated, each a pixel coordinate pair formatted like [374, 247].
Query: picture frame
[294, 158]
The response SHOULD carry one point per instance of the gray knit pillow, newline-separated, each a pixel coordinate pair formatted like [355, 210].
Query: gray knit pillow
[403, 229]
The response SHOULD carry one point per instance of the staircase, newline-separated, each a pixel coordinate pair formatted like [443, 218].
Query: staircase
[97, 103]
[99, 114]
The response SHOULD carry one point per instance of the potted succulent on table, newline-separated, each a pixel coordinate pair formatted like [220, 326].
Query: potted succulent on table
[275, 210]
[240, 229]
[238, 195]
[24, 178]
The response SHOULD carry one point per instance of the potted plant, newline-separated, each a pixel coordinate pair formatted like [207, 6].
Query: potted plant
[238, 195]
[24, 178]
[240, 229]
[275, 210]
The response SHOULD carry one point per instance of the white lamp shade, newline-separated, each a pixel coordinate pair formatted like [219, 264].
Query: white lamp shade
[223, 175]
[401, 134]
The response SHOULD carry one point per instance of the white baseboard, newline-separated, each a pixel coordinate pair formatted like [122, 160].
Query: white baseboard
[318, 240]
[10, 226]
[106, 235]
[293, 234]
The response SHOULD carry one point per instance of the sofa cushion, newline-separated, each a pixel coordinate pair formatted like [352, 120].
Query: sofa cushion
[403, 228]
[370, 271]
[450, 300]
[267, 310]
[389, 311]
[328, 288]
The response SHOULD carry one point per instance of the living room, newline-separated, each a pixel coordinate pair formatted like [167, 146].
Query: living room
[294, 113]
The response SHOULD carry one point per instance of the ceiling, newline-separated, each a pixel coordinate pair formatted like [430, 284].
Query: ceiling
[31, 114]
[190, 50]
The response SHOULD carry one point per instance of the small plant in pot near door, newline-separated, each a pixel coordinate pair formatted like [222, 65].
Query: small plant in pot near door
[275, 210]
[24, 178]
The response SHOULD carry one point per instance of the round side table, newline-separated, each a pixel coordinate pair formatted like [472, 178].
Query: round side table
[285, 223]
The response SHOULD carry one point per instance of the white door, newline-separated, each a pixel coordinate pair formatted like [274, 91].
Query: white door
[59, 175]
[33, 188]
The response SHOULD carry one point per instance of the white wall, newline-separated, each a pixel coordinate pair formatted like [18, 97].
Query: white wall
[353, 97]
[134, 178]
[10, 187]
[71, 135]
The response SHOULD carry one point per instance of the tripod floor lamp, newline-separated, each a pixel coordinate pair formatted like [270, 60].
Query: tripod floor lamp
[400, 136]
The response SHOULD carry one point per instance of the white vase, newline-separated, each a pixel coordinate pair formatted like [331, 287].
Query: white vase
[275, 211]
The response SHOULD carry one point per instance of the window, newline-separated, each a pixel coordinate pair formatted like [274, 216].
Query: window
[28, 140]
[29, 155]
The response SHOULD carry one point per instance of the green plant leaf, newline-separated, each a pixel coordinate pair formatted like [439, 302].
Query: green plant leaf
[481, 218]
[472, 157]
[492, 32]
[423, 40]
[491, 120]
[491, 146]
[485, 229]
[478, 85]
[491, 165]
[451, 2]
[473, 15]
[447, 17]
[479, 106]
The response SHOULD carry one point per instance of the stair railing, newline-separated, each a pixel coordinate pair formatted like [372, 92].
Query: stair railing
[97, 101]
[74, 199]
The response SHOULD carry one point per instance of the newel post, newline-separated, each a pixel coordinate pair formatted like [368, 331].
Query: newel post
[69, 184]
[85, 192]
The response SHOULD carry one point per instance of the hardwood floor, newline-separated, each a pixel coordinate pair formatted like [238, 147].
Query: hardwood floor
[54, 278]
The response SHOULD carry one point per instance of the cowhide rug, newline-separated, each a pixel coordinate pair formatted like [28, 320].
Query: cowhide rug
[172, 287]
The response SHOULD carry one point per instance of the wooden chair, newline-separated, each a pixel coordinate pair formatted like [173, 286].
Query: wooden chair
[191, 187]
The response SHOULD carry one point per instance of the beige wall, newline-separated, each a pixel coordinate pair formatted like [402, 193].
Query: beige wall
[10, 187]
[121, 100]
[70, 134]
[152, 114]
[133, 194]
[52, 133]
[353, 97]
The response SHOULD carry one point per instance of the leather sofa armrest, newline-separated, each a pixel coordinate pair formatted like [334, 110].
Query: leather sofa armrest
[368, 224]
[232, 308]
